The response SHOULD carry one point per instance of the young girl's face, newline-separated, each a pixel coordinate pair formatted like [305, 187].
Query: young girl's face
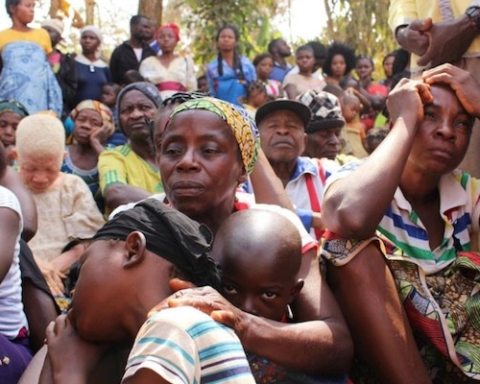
[364, 68]
[87, 121]
[8, 126]
[24, 11]
[338, 66]
[305, 61]
[39, 172]
[257, 98]
[227, 40]
[264, 68]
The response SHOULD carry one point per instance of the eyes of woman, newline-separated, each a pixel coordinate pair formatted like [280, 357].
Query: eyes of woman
[175, 149]
[461, 122]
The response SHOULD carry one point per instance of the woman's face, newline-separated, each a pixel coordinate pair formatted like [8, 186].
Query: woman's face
[167, 40]
[89, 42]
[364, 68]
[136, 111]
[305, 60]
[227, 40]
[87, 121]
[264, 68]
[338, 66]
[8, 126]
[200, 164]
[388, 66]
[24, 11]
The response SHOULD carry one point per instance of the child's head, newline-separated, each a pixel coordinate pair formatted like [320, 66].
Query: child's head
[351, 107]
[256, 94]
[305, 59]
[40, 149]
[264, 65]
[374, 138]
[202, 84]
[259, 253]
[109, 94]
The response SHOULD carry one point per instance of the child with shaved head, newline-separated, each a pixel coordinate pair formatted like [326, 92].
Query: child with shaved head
[259, 253]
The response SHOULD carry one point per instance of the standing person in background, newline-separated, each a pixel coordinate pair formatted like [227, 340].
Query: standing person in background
[230, 73]
[26, 75]
[264, 66]
[387, 64]
[303, 81]
[92, 71]
[169, 71]
[132, 52]
[63, 65]
[279, 50]
[339, 63]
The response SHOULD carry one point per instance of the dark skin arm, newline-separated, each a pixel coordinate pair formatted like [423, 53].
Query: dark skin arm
[340, 207]
[118, 194]
[319, 341]
[146, 376]
[9, 222]
[11, 180]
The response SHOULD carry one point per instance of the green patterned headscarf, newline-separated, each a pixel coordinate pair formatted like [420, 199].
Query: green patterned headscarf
[13, 106]
[242, 125]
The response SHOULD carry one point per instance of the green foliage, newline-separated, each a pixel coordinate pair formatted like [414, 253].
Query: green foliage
[252, 18]
[361, 24]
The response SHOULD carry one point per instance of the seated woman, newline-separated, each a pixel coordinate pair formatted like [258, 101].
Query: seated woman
[11, 112]
[14, 346]
[93, 126]
[66, 209]
[169, 71]
[417, 235]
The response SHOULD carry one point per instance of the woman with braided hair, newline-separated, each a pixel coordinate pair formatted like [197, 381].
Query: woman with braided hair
[230, 73]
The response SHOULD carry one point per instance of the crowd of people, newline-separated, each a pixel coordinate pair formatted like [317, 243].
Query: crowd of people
[274, 219]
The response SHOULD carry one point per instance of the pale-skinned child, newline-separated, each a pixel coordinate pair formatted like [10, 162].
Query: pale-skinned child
[66, 208]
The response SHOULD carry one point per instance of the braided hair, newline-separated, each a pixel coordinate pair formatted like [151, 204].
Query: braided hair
[237, 63]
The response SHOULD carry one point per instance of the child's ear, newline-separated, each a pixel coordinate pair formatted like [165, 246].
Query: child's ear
[136, 247]
[296, 290]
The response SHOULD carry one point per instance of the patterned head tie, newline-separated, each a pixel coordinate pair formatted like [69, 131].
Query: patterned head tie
[102, 109]
[242, 125]
[13, 106]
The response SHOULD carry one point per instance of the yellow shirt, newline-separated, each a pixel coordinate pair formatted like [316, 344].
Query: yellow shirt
[121, 165]
[39, 36]
[403, 12]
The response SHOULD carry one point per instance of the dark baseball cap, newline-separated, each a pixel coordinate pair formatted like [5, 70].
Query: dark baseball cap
[301, 110]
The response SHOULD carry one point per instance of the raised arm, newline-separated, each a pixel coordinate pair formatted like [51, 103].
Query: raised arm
[348, 207]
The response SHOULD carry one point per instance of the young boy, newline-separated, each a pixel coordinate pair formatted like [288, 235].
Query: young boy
[65, 207]
[258, 276]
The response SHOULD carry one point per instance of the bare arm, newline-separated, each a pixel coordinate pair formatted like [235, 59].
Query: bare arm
[342, 201]
[267, 186]
[118, 194]
[11, 180]
[9, 222]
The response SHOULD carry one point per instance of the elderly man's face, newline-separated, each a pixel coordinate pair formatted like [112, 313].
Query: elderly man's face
[282, 135]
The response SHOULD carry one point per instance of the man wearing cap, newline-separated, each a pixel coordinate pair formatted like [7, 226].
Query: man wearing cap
[282, 125]
[63, 65]
[128, 55]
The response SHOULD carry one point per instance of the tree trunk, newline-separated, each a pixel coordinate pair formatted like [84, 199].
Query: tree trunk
[90, 12]
[152, 9]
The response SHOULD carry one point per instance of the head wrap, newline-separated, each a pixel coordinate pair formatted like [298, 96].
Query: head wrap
[242, 125]
[170, 235]
[55, 24]
[101, 108]
[326, 110]
[13, 106]
[174, 27]
[148, 89]
[95, 30]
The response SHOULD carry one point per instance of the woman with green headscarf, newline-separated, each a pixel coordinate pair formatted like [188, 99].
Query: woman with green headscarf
[11, 112]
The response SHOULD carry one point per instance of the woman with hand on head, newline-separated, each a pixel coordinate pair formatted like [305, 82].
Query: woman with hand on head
[26, 75]
[92, 72]
[169, 71]
[230, 73]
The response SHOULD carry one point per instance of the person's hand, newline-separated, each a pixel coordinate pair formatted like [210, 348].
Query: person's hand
[448, 41]
[53, 276]
[209, 301]
[461, 81]
[407, 100]
[413, 37]
[98, 136]
[69, 355]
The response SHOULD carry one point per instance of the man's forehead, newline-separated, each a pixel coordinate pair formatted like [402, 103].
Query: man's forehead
[282, 114]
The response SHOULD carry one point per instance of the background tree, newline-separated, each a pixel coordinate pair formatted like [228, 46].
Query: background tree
[151, 8]
[362, 24]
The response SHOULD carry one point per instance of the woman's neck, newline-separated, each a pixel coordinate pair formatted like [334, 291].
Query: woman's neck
[90, 56]
[417, 185]
[19, 26]
[228, 56]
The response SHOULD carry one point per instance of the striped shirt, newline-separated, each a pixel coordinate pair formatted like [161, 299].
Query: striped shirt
[406, 237]
[184, 345]
[121, 165]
